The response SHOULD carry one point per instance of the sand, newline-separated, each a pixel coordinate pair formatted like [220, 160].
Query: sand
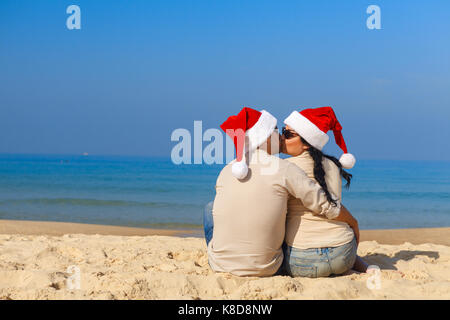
[35, 266]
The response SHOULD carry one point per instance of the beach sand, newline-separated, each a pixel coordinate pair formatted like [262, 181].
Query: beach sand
[134, 263]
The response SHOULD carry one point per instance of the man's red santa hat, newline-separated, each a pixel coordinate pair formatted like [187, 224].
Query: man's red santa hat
[249, 129]
[313, 125]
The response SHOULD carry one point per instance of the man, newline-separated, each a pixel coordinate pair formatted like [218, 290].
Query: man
[246, 229]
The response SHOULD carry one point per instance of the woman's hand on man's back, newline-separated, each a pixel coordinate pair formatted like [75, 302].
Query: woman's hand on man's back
[346, 216]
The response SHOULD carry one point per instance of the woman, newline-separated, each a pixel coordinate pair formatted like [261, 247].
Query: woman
[314, 245]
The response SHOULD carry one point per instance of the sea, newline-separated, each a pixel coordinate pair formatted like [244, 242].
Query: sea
[153, 192]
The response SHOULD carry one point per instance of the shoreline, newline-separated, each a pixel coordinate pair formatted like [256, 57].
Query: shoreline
[53, 228]
[383, 236]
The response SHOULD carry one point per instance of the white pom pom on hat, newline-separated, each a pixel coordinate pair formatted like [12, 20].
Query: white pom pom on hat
[312, 124]
[347, 161]
[239, 169]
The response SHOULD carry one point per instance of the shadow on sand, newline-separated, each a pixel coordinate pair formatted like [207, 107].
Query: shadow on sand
[388, 262]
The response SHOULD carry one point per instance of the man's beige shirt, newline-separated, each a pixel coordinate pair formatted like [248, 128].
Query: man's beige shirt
[304, 228]
[250, 215]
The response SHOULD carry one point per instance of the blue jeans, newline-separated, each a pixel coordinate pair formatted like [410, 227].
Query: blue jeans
[208, 222]
[320, 262]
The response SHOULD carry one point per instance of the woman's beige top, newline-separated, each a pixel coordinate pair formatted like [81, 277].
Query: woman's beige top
[306, 230]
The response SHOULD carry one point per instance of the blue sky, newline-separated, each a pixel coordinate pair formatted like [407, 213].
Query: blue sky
[137, 70]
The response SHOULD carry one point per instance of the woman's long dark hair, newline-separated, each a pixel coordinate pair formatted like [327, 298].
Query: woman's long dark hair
[319, 172]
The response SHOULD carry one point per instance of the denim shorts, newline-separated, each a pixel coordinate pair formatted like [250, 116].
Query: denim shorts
[319, 262]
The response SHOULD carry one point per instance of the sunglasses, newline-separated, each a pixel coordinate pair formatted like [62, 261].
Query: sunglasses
[288, 134]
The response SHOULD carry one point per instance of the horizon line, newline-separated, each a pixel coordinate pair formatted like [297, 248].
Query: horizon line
[168, 156]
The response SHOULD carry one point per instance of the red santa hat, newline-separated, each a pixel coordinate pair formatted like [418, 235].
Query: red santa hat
[313, 125]
[249, 129]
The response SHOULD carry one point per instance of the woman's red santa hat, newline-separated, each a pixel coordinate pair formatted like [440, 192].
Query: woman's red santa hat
[249, 129]
[313, 125]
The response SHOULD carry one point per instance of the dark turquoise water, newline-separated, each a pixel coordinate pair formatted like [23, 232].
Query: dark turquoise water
[153, 192]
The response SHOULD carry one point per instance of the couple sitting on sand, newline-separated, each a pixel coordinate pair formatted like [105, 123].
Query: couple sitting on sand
[272, 216]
